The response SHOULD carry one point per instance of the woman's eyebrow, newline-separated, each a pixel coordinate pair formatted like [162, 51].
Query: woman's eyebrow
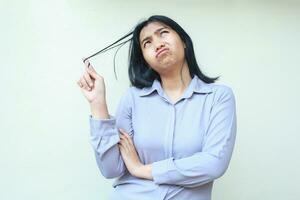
[155, 32]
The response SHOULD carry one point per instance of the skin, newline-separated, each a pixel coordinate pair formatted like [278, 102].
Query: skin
[168, 64]
[173, 70]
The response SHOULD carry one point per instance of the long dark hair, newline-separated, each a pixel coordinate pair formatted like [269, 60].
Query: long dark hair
[140, 74]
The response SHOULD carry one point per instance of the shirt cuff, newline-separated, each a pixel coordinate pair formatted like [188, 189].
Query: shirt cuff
[103, 127]
[161, 170]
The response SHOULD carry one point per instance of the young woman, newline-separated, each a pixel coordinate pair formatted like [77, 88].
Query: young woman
[174, 129]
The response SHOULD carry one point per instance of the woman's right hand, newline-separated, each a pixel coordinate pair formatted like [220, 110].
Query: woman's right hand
[92, 85]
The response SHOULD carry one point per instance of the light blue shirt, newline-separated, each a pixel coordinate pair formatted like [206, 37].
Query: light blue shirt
[188, 142]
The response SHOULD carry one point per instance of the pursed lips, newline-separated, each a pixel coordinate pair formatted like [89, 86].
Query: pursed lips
[160, 51]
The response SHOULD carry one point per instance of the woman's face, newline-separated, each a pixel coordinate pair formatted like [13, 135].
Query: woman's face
[162, 47]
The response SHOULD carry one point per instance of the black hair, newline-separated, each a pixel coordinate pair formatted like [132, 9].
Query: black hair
[140, 74]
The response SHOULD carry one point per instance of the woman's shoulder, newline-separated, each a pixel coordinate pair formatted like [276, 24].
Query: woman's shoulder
[220, 89]
[212, 88]
[130, 93]
[135, 91]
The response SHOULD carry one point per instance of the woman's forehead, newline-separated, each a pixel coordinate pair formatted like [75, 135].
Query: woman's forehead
[150, 29]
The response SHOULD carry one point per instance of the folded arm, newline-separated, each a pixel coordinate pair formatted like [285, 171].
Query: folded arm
[212, 162]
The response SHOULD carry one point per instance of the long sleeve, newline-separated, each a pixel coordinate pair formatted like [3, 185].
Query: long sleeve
[212, 162]
[104, 138]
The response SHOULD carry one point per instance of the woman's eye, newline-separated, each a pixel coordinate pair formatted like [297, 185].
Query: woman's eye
[146, 43]
[163, 32]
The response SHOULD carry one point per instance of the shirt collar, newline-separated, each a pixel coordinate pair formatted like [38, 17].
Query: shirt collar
[196, 85]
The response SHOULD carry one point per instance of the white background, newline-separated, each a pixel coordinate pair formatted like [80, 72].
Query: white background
[44, 144]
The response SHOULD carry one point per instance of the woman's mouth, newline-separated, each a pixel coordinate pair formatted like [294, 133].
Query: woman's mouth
[162, 51]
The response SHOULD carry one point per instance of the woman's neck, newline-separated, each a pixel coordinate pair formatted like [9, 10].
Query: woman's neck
[175, 81]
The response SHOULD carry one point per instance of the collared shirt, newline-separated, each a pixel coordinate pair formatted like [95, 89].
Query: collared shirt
[188, 142]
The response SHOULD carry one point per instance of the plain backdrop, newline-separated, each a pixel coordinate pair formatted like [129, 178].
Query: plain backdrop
[44, 145]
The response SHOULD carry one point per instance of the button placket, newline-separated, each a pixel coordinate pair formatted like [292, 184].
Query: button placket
[171, 130]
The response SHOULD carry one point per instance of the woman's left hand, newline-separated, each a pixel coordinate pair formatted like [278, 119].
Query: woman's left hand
[131, 158]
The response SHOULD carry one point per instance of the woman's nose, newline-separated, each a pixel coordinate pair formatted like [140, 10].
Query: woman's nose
[159, 45]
